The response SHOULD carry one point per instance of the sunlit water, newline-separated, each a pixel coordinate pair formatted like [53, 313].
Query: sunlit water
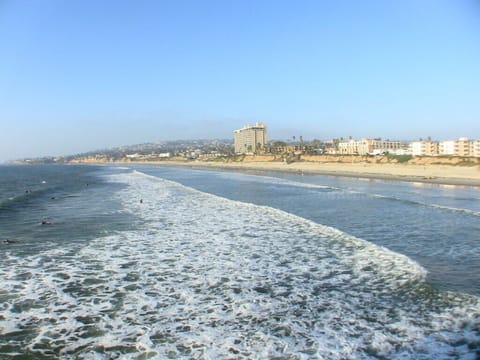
[152, 262]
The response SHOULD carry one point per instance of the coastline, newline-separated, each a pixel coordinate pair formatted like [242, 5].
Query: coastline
[431, 174]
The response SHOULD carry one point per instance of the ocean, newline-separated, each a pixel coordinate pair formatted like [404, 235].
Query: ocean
[159, 262]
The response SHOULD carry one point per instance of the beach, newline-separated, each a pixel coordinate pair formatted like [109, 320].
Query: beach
[428, 173]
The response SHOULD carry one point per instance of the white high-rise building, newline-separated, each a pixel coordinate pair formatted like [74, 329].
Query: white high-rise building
[250, 139]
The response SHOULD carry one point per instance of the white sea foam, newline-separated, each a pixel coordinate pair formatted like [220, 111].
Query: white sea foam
[207, 277]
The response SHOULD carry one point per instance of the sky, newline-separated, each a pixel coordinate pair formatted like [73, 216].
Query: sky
[81, 75]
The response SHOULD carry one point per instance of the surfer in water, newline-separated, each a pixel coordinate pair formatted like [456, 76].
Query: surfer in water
[8, 241]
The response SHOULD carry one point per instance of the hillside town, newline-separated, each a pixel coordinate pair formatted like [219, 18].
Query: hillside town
[253, 140]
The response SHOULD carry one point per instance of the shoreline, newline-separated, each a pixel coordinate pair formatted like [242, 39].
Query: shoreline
[430, 174]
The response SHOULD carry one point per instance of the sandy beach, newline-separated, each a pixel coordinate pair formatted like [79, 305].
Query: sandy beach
[436, 174]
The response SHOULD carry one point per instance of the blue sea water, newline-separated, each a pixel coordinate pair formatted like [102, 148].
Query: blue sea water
[110, 262]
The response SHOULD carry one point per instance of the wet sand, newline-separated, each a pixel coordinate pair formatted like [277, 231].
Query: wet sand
[435, 174]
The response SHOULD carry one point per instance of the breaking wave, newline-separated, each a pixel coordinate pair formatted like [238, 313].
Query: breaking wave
[207, 277]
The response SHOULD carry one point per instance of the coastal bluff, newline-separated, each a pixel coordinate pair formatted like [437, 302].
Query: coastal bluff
[360, 159]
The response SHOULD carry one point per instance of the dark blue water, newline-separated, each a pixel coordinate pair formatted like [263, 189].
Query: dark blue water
[110, 262]
[48, 205]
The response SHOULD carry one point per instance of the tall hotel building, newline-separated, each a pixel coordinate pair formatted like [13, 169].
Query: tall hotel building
[250, 139]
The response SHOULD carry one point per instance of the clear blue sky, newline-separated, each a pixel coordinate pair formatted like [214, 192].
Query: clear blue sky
[88, 74]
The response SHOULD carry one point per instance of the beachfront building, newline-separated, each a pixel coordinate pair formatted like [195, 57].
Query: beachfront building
[386, 146]
[424, 148]
[368, 146]
[250, 139]
[463, 147]
[447, 147]
[460, 147]
[349, 147]
[475, 148]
